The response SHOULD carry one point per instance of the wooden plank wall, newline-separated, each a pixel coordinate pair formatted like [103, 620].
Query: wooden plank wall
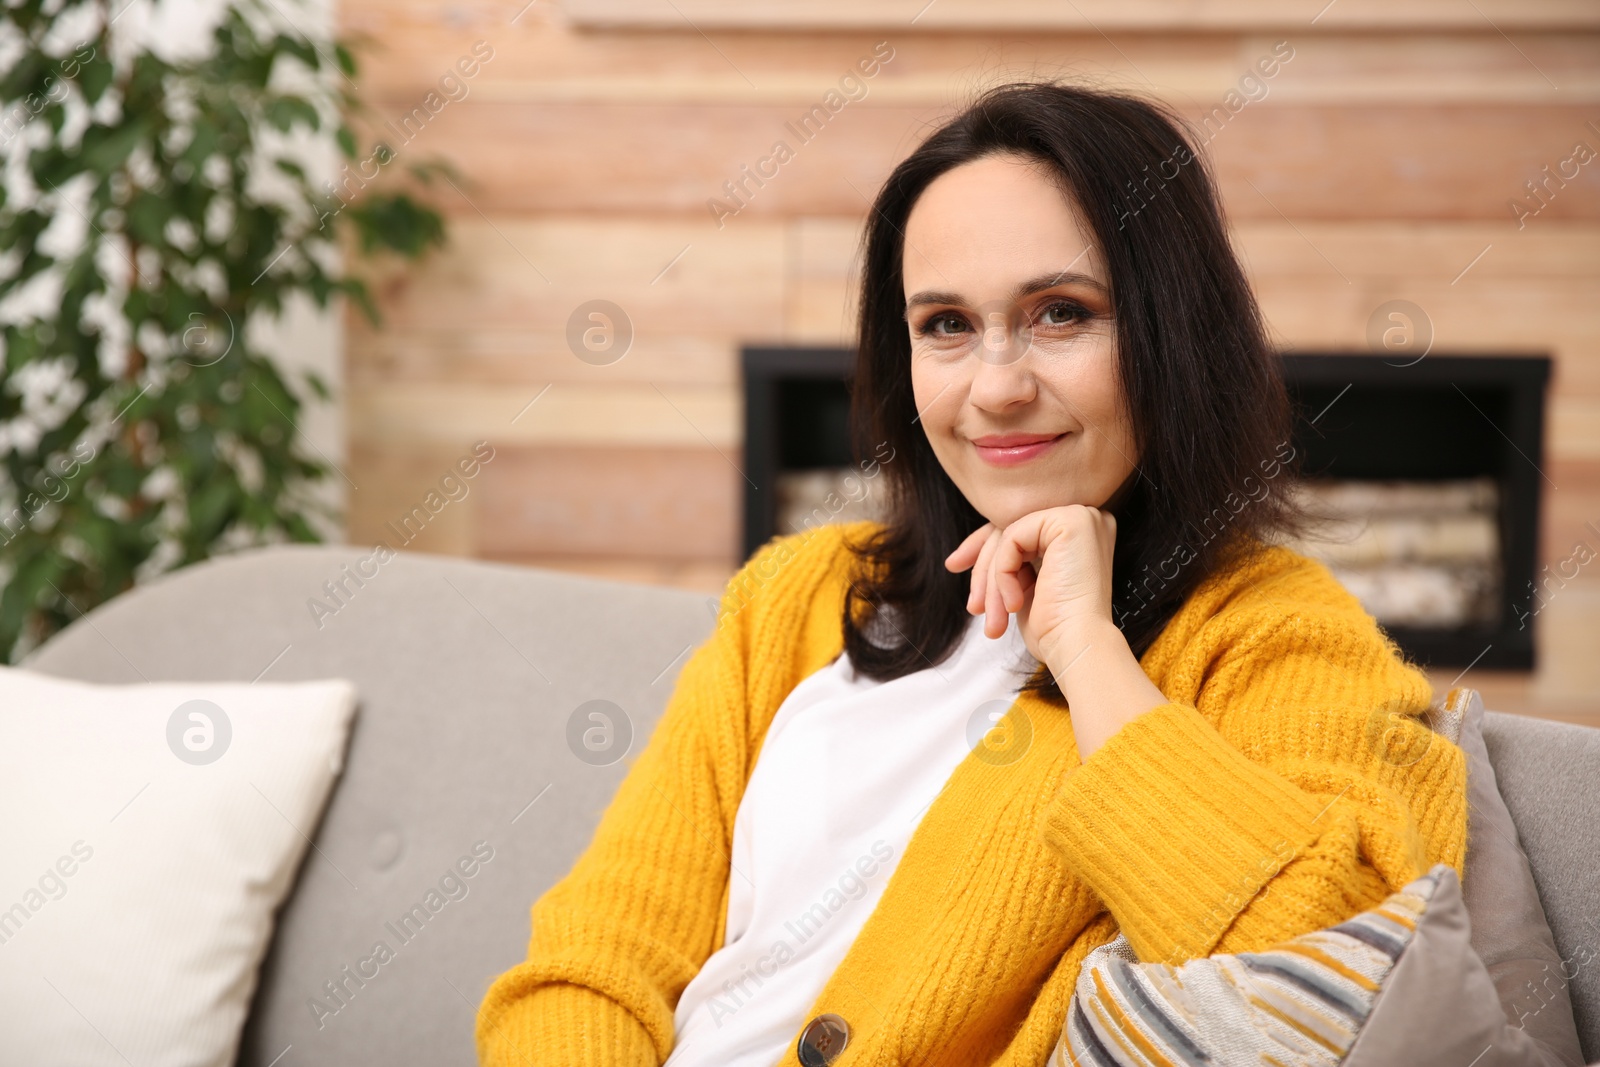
[1382, 163]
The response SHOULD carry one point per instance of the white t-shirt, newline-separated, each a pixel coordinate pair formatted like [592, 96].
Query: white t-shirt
[847, 770]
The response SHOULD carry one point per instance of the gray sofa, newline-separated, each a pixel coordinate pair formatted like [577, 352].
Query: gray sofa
[469, 674]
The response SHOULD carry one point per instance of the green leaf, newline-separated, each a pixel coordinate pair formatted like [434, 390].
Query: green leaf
[318, 385]
[300, 530]
[301, 49]
[105, 148]
[347, 141]
[145, 84]
[284, 112]
[137, 306]
[94, 78]
[357, 291]
[26, 76]
[209, 505]
[52, 167]
[203, 144]
[147, 218]
[397, 223]
[426, 170]
[99, 533]
[347, 62]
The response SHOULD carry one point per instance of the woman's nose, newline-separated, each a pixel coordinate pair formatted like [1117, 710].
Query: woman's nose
[1001, 377]
[998, 386]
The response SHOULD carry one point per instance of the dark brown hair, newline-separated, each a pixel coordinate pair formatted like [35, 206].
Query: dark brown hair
[1204, 389]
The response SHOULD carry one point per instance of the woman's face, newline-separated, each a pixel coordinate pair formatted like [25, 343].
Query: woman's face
[1013, 357]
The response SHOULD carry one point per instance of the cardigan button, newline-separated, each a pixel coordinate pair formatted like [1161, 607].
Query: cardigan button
[822, 1040]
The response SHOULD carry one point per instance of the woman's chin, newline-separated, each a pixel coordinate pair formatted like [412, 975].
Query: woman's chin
[1005, 511]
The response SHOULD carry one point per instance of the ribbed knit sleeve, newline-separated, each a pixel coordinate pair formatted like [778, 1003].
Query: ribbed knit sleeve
[1292, 785]
[617, 939]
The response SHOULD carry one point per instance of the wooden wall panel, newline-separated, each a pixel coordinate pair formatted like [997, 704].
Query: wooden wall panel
[422, 41]
[1569, 506]
[394, 478]
[671, 277]
[1433, 68]
[1414, 162]
[668, 503]
[536, 355]
[1418, 161]
[1427, 250]
[1080, 15]
[641, 415]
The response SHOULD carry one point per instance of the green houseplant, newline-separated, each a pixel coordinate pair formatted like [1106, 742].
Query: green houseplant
[140, 428]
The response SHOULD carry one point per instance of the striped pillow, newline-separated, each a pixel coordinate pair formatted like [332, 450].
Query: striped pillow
[1396, 984]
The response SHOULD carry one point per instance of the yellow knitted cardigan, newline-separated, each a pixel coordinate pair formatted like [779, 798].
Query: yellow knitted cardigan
[1288, 784]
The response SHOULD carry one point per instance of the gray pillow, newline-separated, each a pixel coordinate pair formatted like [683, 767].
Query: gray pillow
[1438, 1006]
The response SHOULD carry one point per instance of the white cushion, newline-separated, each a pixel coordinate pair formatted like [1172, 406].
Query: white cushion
[149, 839]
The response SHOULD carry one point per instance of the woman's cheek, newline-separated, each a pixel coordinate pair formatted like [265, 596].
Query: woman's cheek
[1097, 395]
[936, 390]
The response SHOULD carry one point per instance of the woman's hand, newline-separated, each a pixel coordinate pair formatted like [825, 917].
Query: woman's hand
[1050, 568]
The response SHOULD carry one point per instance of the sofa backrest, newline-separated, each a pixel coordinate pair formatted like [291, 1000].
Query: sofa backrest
[469, 674]
[476, 681]
[1549, 775]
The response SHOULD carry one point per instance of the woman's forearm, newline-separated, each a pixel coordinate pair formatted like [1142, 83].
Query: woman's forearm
[1102, 681]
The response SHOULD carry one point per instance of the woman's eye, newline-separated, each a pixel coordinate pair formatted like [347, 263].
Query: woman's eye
[1064, 313]
[943, 326]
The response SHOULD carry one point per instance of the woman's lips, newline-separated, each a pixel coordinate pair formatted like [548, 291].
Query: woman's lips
[1012, 449]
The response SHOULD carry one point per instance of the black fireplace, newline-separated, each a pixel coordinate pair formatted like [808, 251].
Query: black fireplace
[1428, 472]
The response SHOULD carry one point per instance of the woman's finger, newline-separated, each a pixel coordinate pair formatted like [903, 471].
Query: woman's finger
[979, 594]
[996, 616]
[1020, 545]
[969, 554]
[1029, 577]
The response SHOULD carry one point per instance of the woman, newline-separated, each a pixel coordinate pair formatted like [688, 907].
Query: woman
[825, 854]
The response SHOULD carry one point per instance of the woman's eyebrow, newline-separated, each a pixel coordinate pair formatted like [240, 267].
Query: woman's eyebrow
[1032, 285]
